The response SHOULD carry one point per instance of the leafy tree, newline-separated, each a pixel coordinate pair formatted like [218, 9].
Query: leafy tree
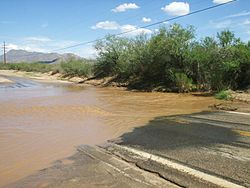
[172, 58]
[109, 52]
[226, 38]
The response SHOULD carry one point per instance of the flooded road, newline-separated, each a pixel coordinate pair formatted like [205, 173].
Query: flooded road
[41, 123]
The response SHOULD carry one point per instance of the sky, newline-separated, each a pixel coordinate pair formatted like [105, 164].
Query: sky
[48, 25]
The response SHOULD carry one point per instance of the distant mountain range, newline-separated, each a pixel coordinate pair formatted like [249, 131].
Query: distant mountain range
[17, 56]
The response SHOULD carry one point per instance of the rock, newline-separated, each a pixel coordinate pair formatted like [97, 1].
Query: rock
[225, 107]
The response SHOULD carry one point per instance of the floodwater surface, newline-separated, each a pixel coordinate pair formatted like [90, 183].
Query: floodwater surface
[41, 123]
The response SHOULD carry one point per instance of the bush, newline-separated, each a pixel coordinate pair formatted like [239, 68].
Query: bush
[111, 51]
[183, 83]
[72, 68]
[224, 95]
[28, 67]
[76, 68]
[211, 64]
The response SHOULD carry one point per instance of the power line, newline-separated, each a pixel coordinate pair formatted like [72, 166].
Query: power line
[102, 13]
[153, 10]
[149, 25]
[142, 27]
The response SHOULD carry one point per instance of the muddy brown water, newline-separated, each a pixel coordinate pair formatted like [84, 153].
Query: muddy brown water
[42, 123]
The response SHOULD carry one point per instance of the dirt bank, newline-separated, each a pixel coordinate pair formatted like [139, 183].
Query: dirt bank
[41, 77]
[4, 80]
[243, 96]
[239, 102]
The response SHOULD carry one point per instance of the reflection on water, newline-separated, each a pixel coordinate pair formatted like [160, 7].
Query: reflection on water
[22, 88]
[40, 123]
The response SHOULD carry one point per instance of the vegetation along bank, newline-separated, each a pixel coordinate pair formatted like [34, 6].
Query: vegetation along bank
[171, 59]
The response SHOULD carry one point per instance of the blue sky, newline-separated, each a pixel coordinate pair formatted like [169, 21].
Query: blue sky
[45, 25]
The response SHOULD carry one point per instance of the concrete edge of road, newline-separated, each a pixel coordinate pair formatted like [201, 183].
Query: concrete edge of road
[127, 170]
[175, 172]
[239, 113]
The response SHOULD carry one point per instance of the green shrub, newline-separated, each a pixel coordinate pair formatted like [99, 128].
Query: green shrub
[76, 68]
[183, 83]
[28, 67]
[224, 95]
[210, 64]
[71, 68]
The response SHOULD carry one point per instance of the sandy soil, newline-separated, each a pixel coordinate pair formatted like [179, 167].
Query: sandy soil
[4, 80]
[241, 96]
[41, 77]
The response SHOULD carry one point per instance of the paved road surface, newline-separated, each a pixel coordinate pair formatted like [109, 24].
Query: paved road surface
[217, 143]
[92, 167]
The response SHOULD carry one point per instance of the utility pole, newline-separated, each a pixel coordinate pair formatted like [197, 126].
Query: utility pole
[4, 53]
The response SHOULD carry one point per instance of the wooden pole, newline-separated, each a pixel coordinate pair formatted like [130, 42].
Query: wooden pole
[4, 53]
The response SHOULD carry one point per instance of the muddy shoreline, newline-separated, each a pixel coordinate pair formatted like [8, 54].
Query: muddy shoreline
[40, 77]
[4, 80]
[240, 99]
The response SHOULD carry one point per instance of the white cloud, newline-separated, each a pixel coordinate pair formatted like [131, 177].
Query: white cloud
[39, 44]
[11, 47]
[34, 44]
[38, 39]
[133, 30]
[221, 25]
[146, 20]
[30, 48]
[107, 25]
[221, 1]
[177, 8]
[125, 6]
[246, 22]
[240, 14]
[46, 45]
[87, 51]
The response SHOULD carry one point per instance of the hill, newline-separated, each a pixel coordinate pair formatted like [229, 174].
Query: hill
[17, 56]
